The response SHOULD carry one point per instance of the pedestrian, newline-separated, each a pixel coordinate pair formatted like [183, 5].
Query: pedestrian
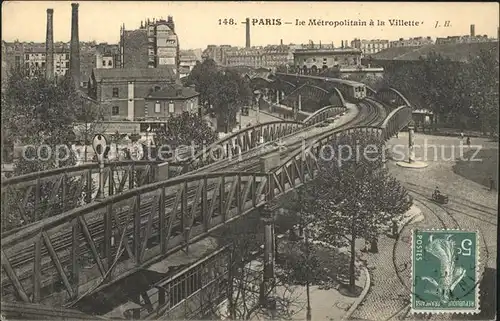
[462, 135]
[468, 141]
[492, 183]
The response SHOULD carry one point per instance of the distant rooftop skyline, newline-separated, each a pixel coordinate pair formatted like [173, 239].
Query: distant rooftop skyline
[197, 23]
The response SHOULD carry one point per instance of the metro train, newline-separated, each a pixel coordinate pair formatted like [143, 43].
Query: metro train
[352, 91]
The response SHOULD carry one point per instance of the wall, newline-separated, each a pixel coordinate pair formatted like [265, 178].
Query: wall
[141, 90]
[330, 60]
[179, 107]
[135, 49]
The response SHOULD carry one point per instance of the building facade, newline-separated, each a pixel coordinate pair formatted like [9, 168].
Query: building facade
[370, 46]
[172, 99]
[154, 45]
[317, 59]
[122, 92]
[218, 53]
[463, 39]
[107, 56]
[412, 42]
[188, 60]
[33, 57]
[259, 57]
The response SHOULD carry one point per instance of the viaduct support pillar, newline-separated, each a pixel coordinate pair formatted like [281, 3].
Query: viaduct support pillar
[412, 162]
[268, 279]
[411, 142]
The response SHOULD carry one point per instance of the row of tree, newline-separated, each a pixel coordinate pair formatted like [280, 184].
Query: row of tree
[358, 200]
[460, 94]
[222, 91]
[37, 111]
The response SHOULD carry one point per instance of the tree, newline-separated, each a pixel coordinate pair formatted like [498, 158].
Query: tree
[461, 94]
[356, 199]
[245, 301]
[37, 111]
[224, 96]
[89, 116]
[223, 91]
[483, 82]
[201, 77]
[185, 129]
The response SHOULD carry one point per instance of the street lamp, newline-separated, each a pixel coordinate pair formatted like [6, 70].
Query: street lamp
[308, 311]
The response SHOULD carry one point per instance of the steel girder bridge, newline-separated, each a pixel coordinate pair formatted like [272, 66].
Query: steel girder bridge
[141, 223]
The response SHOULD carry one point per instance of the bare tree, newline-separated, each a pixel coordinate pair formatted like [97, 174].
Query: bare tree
[90, 116]
[246, 297]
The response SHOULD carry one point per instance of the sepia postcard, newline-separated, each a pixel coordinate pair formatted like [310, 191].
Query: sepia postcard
[210, 160]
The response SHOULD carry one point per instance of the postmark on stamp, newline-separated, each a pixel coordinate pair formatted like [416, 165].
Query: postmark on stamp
[445, 271]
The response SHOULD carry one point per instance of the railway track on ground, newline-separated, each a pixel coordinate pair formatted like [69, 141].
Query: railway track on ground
[445, 220]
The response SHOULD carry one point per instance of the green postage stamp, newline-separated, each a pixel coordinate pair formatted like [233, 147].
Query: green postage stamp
[445, 271]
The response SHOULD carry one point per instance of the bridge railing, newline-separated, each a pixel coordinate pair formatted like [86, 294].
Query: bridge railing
[323, 114]
[391, 97]
[303, 165]
[36, 196]
[84, 249]
[243, 140]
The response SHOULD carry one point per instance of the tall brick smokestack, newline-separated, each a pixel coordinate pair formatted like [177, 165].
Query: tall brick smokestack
[247, 44]
[49, 45]
[74, 68]
[472, 30]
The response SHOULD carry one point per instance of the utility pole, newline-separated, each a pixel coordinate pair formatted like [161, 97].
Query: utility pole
[308, 312]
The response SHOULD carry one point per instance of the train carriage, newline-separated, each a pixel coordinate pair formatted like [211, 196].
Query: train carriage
[352, 91]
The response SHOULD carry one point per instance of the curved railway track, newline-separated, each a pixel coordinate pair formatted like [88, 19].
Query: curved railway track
[371, 113]
[446, 220]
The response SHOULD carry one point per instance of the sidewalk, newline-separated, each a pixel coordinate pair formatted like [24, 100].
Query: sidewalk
[328, 303]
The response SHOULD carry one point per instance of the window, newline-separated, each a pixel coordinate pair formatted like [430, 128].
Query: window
[157, 107]
[171, 108]
[115, 110]
[115, 92]
[67, 56]
[84, 84]
[110, 63]
[27, 57]
[157, 88]
[67, 64]
[43, 64]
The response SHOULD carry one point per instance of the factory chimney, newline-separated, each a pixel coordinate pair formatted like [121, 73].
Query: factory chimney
[247, 44]
[49, 45]
[472, 31]
[74, 68]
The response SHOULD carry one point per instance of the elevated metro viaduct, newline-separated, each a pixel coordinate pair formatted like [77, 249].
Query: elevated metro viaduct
[128, 232]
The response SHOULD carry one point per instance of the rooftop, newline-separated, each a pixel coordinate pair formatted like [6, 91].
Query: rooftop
[333, 51]
[166, 74]
[460, 52]
[174, 91]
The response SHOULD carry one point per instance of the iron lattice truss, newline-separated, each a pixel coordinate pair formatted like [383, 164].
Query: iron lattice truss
[86, 248]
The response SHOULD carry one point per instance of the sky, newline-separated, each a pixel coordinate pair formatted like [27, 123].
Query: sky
[197, 23]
